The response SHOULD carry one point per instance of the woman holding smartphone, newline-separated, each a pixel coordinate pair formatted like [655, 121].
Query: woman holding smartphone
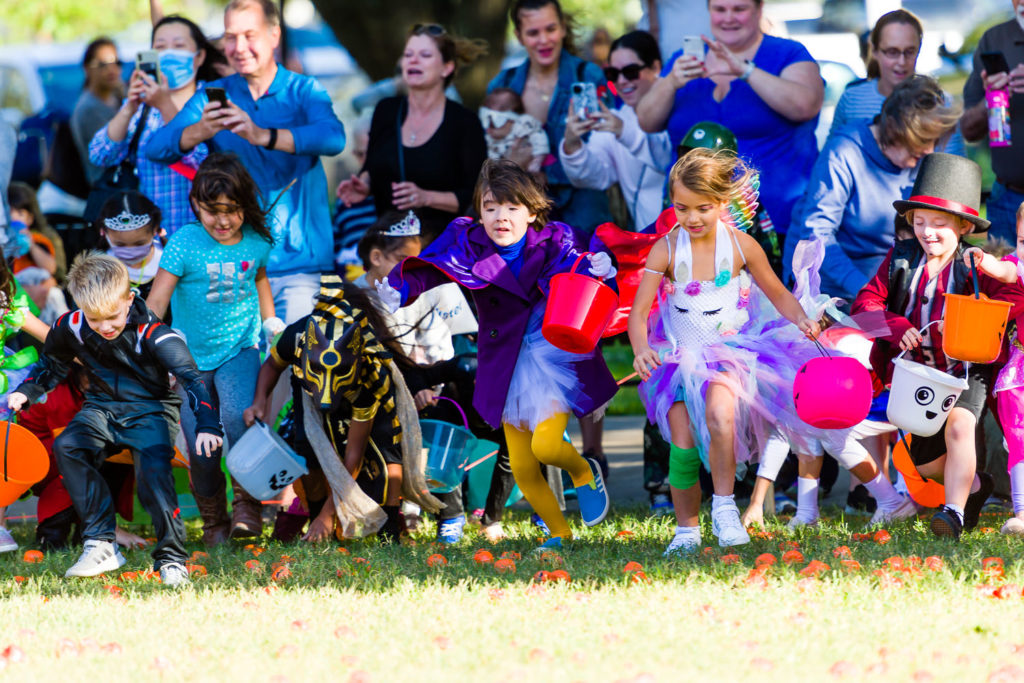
[183, 58]
[545, 81]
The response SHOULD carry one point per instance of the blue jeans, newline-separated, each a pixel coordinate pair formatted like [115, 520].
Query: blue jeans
[1002, 211]
[293, 295]
[232, 387]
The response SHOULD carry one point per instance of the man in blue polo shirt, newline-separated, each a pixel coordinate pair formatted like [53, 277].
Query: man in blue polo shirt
[279, 123]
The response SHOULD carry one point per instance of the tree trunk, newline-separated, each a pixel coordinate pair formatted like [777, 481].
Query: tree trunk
[374, 32]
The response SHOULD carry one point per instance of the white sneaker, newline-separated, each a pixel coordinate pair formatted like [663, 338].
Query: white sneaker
[495, 532]
[685, 542]
[798, 523]
[905, 510]
[726, 525]
[97, 557]
[174, 574]
[7, 542]
[1014, 526]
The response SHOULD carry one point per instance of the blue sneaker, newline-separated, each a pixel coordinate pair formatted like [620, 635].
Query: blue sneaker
[539, 523]
[593, 497]
[553, 543]
[449, 531]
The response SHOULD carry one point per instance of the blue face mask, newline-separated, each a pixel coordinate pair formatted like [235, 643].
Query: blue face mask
[178, 67]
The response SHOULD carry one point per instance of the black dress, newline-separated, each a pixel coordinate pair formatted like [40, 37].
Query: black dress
[449, 161]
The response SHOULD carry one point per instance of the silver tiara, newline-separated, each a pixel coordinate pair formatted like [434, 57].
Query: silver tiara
[125, 221]
[407, 227]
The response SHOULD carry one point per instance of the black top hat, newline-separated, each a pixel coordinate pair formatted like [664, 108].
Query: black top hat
[950, 183]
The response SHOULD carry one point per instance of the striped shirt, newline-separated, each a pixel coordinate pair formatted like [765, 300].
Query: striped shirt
[861, 101]
[167, 188]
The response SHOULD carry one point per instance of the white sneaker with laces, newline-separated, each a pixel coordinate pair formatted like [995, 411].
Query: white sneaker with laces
[726, 525]
[7, 542]
[97, 557]
[174, 574]
[905, 510]
[798, 523]
[685, 542]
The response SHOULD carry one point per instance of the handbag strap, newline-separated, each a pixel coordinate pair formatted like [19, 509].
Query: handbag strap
[398, 140]
[133, 146]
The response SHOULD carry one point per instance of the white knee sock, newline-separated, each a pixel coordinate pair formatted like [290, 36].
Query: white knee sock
[807, 499]
[881, 489]
[1017, 487]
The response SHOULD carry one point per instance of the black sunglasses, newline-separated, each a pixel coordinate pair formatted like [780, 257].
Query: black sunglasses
[630, 71]
[429, 29]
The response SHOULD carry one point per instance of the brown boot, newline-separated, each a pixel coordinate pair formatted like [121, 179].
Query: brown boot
[216, 523]
[246, 514]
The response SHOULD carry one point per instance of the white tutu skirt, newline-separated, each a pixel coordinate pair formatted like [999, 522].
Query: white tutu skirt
[543, 384]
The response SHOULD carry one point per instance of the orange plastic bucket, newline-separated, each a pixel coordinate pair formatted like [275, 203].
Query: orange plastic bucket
[26, 462]
[973, 328]
[925, 492]
[579, 309]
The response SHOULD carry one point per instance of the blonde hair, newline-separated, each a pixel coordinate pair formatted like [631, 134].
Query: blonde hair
[715, 173]
[915, 115]
[98, 282]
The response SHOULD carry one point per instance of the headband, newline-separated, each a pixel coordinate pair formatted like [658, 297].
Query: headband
[407, 227]
[125, 221]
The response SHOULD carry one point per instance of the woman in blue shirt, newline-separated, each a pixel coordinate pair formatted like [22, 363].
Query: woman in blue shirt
[767, 90]
[543, 81]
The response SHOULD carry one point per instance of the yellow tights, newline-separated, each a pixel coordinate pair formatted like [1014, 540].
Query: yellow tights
[527, 451]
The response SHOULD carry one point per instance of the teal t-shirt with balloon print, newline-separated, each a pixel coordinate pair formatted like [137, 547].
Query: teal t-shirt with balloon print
[215, 303]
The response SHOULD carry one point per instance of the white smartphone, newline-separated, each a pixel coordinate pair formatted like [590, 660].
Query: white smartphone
[693, 46]
[148, 62]
[584, 99]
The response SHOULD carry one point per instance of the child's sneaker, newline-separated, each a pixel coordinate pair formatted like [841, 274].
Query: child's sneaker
[553, 543]
[905, 510]
[1014, 527]
[97, 557]
[798, 522]
[449, 531]
[593, 497]
[174, 574]
[540, 524]
[661, 504]
[726, 525]
[7, 542]
[685, 542]
[946, 524]
[495, 532]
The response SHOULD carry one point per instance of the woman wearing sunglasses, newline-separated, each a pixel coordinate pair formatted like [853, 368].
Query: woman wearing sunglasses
[425, 151]
[99, 99]
[895, 43]
[544, 81]
[617, 150]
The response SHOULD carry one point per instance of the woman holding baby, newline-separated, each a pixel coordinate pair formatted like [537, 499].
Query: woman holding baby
[425, 151]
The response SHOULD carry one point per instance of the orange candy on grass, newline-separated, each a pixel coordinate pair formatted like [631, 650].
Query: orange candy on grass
[32, 556]
[764, 560]
[731, 558]
[792, 557]
[437, 560]
[814, 567]
[632, 567]
[483, 556]
[505, 566]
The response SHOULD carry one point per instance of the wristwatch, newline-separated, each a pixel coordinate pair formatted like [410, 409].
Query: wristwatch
[747, 69]
[273, 139]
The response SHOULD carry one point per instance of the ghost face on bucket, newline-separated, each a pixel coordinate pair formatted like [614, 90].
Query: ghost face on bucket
[934, 404]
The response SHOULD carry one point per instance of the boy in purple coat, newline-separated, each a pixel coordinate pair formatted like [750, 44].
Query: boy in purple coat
[524, 384]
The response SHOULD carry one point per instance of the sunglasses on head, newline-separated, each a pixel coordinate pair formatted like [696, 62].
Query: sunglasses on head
[630, 71]
[429, 29]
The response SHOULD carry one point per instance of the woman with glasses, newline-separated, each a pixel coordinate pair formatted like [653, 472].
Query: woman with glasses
[99, 99]
[894, 43]
[186, 60]
[767, 90]
[544, 82]
[425, 151]
[617, 150]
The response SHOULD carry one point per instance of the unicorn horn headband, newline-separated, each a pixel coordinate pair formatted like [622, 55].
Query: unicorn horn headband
[407, 227]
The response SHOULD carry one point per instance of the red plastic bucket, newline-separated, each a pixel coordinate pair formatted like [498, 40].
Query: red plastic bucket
[579, 309]
[833, 392]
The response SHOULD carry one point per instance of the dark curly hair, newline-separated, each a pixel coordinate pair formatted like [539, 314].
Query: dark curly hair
[223, 175]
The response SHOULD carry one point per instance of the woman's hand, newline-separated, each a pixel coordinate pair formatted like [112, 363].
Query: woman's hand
[136, 88]
[156, 94]
[353, 190]
[575, 129]
[726, 63]
[685, 69]
[911, 339]
[810, 328]
[607, 121]
[321, 528]
[645, 361]
[408, 195]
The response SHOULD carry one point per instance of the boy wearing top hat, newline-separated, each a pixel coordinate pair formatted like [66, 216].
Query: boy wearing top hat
[908, 288]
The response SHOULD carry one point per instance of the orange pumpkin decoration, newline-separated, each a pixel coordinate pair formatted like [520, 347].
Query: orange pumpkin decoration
[282, 573]
[764, 559]
[792, 557]
[542, 576]
[511, 555]
[632, 567]
[560, 575]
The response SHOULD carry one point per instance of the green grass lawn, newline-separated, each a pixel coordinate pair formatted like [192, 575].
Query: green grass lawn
[391, 616]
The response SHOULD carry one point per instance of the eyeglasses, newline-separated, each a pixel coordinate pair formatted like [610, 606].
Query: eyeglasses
[429, 29]
[101, 65]
[895, 52]
[630, 71]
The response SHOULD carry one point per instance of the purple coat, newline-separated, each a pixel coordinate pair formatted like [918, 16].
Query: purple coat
[463, 253]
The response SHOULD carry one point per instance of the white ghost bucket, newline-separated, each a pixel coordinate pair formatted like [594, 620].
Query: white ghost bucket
[263, 463]
[921, 397]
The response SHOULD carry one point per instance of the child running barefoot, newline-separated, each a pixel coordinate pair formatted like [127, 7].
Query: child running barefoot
[507, 261]
[1009, 387]
[213, 273]
[127, 353]
[909, 288]
[721, 386]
